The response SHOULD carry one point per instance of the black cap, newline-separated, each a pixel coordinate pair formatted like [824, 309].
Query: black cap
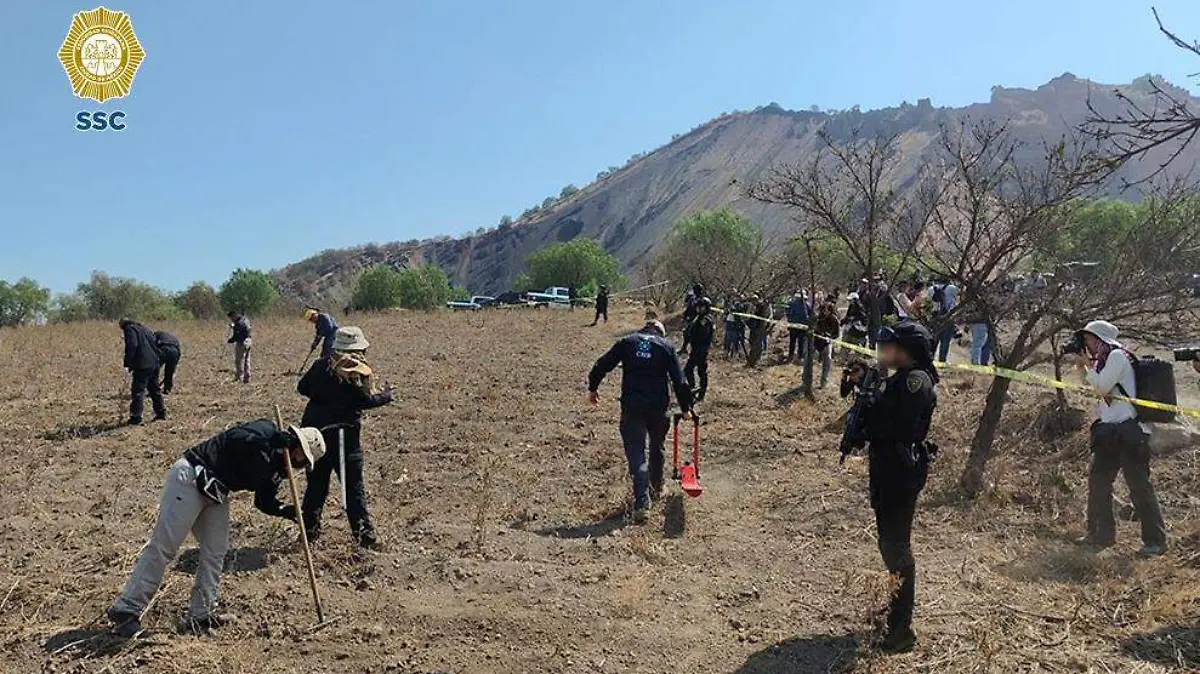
[912, 337]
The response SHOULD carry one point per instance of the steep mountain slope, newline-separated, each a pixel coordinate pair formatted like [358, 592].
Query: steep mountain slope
[630, 210]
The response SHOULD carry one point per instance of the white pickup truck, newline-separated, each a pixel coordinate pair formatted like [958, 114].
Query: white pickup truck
[555, 296]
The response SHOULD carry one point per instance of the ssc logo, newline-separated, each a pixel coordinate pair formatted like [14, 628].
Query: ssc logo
[101, 54]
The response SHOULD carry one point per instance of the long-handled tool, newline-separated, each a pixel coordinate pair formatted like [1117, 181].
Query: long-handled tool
[300, 372]
[689, 473]
[342, 465]
[312, 572]
[341, 435]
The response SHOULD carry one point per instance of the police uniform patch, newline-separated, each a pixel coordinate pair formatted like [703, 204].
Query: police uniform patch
[914, 382]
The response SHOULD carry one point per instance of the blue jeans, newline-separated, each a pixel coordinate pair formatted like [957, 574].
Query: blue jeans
[646, 471]
[944, 338]
[981, 344]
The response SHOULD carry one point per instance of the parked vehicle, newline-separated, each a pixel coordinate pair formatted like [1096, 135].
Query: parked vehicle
[476, 302]
[553, 296]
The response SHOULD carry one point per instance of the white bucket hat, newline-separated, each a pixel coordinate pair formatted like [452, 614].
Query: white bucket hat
[311, 441]
[350, 338]
[1104, 331]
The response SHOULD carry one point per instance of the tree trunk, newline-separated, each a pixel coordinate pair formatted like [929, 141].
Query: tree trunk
[812, 308]
[971, 481]
[1059, 394]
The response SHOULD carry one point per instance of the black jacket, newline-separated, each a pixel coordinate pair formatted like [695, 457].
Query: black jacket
[826, 325]
[700, 333]
[168, 345]
[332, 400]
[763, 310]
[241, 331]
[141, 353]
[248, 457]
[855, 313]
[649, 364]
[602, 302]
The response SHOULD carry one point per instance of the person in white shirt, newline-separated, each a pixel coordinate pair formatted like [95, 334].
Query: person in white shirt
[904, 305]
[1119, 443]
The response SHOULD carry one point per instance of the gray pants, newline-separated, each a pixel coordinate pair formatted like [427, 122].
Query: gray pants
[1122, 448]
[241, 362]
[183, 508]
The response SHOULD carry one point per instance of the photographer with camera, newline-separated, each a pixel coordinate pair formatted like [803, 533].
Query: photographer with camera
[894, 424]
[1118, 441]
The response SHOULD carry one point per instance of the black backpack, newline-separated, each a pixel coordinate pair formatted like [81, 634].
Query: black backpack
[1154, 380]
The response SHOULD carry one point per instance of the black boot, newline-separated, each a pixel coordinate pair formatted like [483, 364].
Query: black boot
[127, 625]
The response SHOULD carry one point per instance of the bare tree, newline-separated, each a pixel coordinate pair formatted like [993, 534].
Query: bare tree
[1159, 121]
[853, 192]
[1000, 210]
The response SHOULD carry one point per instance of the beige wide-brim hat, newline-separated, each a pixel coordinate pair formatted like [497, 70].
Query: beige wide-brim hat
[350, 338]
[311, 441]
[1104, 331]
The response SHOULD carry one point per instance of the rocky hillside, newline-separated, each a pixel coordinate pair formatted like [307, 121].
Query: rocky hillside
[630, 210]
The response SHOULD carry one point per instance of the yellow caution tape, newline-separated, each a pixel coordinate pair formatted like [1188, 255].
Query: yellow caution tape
[993, 371]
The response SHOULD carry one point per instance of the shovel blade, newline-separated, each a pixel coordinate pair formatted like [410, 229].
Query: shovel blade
[688, 482]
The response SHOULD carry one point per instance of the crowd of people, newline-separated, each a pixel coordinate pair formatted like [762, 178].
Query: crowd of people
[893, 414]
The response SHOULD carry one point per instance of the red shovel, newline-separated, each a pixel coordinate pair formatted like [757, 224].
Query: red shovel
[689, 473]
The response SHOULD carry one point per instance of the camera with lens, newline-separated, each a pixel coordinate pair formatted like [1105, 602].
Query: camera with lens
[1187, 354]
[1075, 346]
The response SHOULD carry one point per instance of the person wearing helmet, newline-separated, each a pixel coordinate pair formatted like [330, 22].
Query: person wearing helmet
[1119, 443]
[700, 333]
[894, 429]
[650, 368]
[325, 330]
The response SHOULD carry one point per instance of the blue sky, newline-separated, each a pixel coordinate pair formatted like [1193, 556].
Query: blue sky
[261, 132]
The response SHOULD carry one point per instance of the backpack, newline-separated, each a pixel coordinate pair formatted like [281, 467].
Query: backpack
[1154, 380]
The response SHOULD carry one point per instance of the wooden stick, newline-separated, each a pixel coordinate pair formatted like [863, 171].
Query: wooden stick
[312, 573]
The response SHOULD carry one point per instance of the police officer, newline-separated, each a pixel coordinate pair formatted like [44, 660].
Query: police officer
[691, 308]
[168, 358]
[650, 368]
[601, 305]
[895, 428]
[699, 334]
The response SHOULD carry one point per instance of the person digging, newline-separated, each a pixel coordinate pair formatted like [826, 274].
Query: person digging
[195, 498]
[339, 387]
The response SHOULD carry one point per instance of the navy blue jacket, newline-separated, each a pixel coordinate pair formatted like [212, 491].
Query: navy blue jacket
[797, 311]
[650, 367]
[326, 330]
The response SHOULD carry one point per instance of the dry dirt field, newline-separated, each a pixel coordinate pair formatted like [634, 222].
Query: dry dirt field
[499, 494]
